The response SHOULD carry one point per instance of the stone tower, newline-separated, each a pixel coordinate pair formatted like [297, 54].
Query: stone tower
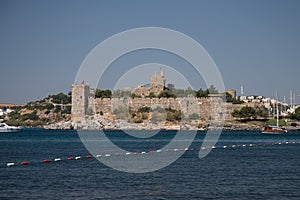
[80, 101]
[232, 93]
[157, 82]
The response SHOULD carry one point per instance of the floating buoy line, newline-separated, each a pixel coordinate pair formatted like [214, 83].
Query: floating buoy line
[107, 155]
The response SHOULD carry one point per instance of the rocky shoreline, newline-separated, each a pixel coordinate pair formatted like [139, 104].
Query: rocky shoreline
[123, 125]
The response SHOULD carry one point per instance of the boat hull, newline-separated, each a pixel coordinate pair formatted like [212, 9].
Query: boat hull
[274, 133]
[4, 128]
[273, 130]
[9, 130]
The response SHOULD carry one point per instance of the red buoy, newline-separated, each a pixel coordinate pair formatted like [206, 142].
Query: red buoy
[24, 163]
[88, 156]
[46, 161]
[70, 158]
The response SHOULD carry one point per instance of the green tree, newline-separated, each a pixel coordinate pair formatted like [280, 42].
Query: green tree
[30, 116]
[297, 111]
[144, 109]
[133, 95]
[174, 115]
[48, 106]
[151, 95]
[296, 115]
[236, 113]
[212, 90]
[261, 112]
[246, 112]
[237, 101]
[166, 94]
[60, 98]
[189, 91]
[103, 94]
[171, 87]
[202, 93]
[57, 108]
[67, 110]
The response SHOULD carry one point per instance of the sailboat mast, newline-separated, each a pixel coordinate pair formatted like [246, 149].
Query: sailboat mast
[277, 116]
[277, 111]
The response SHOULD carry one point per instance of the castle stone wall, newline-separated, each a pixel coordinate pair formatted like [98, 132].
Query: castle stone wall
[84, 104]
[188, 105]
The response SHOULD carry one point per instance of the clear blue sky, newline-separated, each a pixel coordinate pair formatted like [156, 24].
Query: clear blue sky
[255, 43]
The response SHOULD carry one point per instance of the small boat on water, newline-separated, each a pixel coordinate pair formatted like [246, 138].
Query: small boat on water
[273, 130]
[4, 128]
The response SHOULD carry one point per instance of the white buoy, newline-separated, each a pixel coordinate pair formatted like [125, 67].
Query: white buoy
[175, 149]
[244, 145]
[224, 147]
[158, 151]
[10, 164]
[186, 149]
[57, 159]
[250, 145]
[143, 152]
[107, 155]
[98, 155]
[127, 153]
[77, 157]
[233, 146]
[213, 147]
[203, 148]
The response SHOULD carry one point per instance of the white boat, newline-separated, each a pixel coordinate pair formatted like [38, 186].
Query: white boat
[4, 128]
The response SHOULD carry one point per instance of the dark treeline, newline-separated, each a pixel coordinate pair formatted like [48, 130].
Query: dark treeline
[169, 92]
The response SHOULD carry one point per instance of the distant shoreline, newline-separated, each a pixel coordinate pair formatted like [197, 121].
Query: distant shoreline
[227, 127]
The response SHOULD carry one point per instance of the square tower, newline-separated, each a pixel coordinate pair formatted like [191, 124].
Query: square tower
[157, 82]
[80, 101]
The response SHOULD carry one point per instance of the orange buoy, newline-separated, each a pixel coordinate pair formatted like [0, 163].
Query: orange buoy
[24, 163]
[88, 156]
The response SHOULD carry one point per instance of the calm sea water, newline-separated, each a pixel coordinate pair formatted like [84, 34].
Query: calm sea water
[267, 172]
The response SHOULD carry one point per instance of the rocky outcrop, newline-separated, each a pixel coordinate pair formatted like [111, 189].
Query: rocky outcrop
[110, 124]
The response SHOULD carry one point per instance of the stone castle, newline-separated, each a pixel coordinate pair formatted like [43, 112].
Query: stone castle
[157, 84]
[86, 106]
